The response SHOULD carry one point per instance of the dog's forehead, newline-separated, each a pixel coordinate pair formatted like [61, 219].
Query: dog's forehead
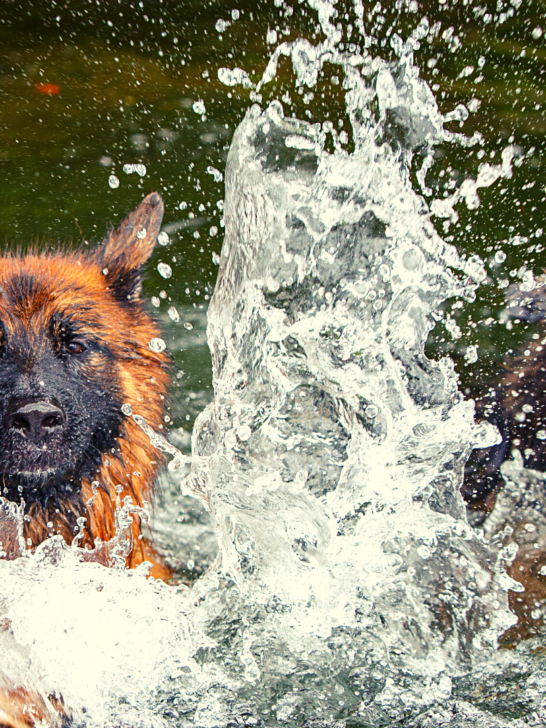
[35, 284]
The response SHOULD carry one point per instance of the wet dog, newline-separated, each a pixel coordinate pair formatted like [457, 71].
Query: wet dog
[496, 487]
[75, 347]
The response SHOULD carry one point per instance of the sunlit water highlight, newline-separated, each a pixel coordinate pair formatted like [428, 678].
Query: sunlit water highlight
[349, 588]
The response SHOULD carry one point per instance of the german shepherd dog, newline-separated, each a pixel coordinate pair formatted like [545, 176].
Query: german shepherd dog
[515, 402]
[74, 348]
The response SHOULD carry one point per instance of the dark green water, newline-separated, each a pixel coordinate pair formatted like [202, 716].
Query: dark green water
[128, 74]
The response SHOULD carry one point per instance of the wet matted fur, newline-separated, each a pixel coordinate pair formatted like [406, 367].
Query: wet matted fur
[74, 347]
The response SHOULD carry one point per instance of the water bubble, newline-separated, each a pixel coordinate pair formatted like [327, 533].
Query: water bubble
[173, 314]
[113, 181]
[163, 238]
[188, 326]
[165, 270]
[218, 176]
[157, 345]
[127, 409]
[371, 411]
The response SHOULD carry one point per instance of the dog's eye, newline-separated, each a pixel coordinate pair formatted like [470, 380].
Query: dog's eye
[75, 347]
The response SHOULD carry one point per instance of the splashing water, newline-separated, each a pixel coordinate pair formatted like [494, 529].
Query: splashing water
[349, 588]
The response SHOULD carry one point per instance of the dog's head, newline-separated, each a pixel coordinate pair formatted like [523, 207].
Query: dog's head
[74, 347]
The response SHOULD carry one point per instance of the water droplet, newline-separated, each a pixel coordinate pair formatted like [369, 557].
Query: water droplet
[113, 181]
[127, 409]
[471, 354]
[140, 169]
[218, 176]
[165, 270]
[156, 302]
[199, 107]
[188, 326]
[163, 238]
[500, 257]
[173, 314]
[244, 432]
[235, 14]
[232, 77]
[157, 345]
[141, 234]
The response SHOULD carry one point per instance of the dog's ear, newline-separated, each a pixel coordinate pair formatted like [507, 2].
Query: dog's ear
[124, 251]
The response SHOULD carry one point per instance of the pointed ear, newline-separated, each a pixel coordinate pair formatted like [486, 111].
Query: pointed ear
[124, 251]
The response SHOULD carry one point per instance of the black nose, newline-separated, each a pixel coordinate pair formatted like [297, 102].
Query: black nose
[33, 420]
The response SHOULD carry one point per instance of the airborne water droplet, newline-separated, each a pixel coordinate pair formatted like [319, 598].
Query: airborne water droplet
[165, 270]
[173, 314]
[127, 409]
[218, 176]
[113, 181]
[157, 345]
[199, 107]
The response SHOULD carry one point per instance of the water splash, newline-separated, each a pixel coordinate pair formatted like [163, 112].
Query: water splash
[334, 446]
[348, 586]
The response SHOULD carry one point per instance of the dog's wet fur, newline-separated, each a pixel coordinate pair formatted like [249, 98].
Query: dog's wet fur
[74, 347]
